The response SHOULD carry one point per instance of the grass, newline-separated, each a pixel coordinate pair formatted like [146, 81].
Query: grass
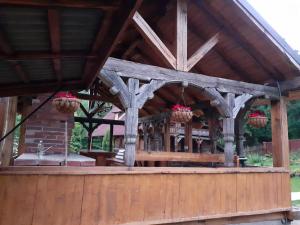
[295, 184]
[296, 203]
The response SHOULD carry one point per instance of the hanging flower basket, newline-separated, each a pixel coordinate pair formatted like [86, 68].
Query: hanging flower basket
[65, 102]
[257, 119]
[181, 114]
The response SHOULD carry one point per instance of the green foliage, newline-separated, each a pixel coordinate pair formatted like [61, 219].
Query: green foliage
[295, 184]
[105, 141]
[255, 136]
[259, 160]
[77, 139]
[294, 119]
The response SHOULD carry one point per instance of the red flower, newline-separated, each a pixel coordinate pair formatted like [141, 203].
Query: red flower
[64, 95]
[178, 107]
[257, 113]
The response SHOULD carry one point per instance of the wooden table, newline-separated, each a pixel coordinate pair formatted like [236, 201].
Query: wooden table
[32, 159]
[100, 156]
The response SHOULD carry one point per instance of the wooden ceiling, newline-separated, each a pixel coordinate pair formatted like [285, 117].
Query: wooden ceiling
[51, 45]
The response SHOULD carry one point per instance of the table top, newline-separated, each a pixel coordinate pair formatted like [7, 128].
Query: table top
[32, 159]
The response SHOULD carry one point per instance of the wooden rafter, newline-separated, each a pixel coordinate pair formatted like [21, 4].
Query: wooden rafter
[153, 40]
[6, 48]
[202, 51]
[104, 5]
[55, 36]
[220, 22]
[38, 88]
[121, 19]
[227, 60]
[20, 56]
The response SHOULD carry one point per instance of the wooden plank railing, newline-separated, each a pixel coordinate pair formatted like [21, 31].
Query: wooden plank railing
[103, 195]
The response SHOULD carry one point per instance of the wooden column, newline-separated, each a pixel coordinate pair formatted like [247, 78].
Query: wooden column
[9, 119]
[280, 141]
[167, 137]
[213, 124]
[228, 132]
[188, 139]
[181, 63]
[131, 123]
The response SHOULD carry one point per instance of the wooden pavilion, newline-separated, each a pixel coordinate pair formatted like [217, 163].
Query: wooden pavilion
[140, 55]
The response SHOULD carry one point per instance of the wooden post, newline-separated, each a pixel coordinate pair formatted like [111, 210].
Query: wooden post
[181, 62]
[280, 141]
[188, 139]
[131, 123]
[167, 140]
[9, 119]
[228, 132]
[212, 127]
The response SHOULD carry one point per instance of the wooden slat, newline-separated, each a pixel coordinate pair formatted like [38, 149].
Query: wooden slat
[55, 37]
[153, 40]
[202, 51]
[121, 19]
[105, 5]
[179, 157]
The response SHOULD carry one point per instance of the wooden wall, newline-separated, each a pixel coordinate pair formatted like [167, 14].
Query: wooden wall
[139, 196]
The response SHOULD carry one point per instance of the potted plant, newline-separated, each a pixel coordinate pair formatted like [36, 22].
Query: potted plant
[65, 102]
[257, 119]
[181, 114]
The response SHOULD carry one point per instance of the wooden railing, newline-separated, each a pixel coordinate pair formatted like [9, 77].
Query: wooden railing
[116, 195]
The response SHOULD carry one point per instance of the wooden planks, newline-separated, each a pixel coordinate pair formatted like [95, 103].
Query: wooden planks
[139, 198]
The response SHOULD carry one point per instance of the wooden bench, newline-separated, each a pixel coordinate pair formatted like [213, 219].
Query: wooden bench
[144, 156]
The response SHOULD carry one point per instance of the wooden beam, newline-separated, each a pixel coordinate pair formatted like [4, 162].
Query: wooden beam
[202, 51]
[179, 157]
[280, 140]
[235, 67]
[153, 40]
[147, 72]
[99, 121]
[181, 35]
[104, 5]
[55, 40]
[121, 19]
[6, 48]
[188, 136]
[221, 22]
[21, 56]
[38, 88]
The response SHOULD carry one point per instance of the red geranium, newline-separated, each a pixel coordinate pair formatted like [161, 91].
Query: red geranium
[257, 113]
[64, 95]
[178, 107]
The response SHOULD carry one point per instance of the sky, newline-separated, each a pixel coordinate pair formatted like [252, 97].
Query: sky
[283, 16]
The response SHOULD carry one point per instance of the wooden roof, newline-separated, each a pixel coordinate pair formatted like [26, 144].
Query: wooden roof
[45, 45]
[248, 48]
